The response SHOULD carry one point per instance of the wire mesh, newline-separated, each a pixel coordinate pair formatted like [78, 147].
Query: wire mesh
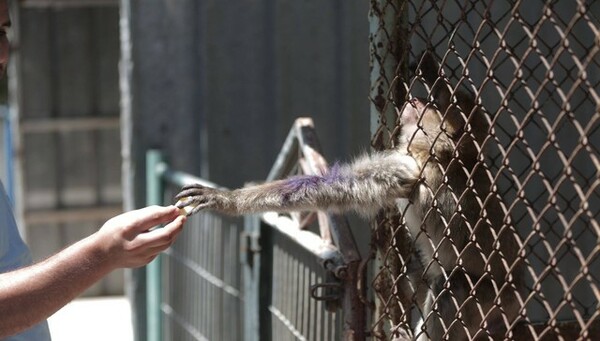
[532, 68]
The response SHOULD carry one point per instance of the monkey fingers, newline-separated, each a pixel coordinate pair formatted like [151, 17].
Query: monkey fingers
[191, 193]
[194, 198]
[184, 206]
[191, 189]
[197, 208]
[189, 205]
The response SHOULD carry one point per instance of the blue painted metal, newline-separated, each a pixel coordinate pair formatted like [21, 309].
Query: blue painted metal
[154, 188]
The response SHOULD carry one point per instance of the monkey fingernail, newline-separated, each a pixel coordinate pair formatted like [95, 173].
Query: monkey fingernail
[185, 208]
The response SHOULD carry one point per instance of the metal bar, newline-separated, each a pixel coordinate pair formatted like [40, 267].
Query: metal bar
[354, 324]
[68, 3]
[287, 323]
[251, 269]
[205, 274]
[309, 145]
[311, 149]
[388, 51]
[283, 161]
[72, 215]
[69, 124]
[303, 132]
[355, 319]
[180, 320]
[307, 240]
[303, 138]
[154, 190]
[181, 178]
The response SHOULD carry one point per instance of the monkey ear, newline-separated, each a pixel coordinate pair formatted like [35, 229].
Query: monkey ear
[433, 74]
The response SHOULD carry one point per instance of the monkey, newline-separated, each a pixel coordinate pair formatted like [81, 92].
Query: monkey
[436, 175]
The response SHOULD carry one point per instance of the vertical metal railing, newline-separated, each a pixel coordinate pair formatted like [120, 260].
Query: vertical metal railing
[154, 187]
[389, 53]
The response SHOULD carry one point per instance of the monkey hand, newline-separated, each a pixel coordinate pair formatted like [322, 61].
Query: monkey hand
[195, 197]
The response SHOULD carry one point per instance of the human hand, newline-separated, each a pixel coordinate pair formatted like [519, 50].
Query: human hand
[128, 241]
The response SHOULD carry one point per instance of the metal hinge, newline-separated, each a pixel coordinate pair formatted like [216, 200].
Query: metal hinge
[332, 290]
[249, 246]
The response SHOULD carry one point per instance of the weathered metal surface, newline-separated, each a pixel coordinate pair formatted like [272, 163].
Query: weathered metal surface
[532, 68]
[336, 237]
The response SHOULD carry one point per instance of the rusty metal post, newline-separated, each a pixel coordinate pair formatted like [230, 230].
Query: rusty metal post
[335, 232]
[388, 51]
[354, 310]
[355, 314]
[388, 58]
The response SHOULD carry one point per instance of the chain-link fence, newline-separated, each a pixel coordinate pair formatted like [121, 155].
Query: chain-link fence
[498, 103]
[507, 247]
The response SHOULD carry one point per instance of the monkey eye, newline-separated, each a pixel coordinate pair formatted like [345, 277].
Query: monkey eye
[417, 103]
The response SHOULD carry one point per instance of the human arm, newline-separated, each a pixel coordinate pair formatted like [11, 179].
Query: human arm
[31, 294]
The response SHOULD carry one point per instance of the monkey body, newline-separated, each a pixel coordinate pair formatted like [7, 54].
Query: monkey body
[468, 256]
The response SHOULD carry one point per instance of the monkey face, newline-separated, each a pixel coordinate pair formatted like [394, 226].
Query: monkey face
[420, 120]
[448, 113]
[438, 120]
[433, 127]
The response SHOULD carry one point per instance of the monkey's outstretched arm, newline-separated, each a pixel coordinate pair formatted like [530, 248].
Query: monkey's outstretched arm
[366, 185]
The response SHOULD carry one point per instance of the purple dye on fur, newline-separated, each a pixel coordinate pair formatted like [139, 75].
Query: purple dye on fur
[333, 175]
[299, 184]
[303, 183]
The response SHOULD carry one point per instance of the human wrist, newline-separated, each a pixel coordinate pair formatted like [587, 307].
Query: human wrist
[100, 251]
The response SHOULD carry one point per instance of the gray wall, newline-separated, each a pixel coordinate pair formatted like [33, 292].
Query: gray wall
[230, 77]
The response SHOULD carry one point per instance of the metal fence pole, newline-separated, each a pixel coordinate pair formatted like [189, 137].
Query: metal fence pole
[388, 57]
[154, 192]
[252, 268]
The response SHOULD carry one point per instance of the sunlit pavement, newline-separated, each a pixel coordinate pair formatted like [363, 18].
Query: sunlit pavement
[91, 319]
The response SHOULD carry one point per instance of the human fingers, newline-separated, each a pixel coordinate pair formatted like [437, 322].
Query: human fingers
[144, 259]
[147, 217]
[161, 237]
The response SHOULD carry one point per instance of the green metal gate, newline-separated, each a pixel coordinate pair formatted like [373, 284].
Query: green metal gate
[261, 278]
